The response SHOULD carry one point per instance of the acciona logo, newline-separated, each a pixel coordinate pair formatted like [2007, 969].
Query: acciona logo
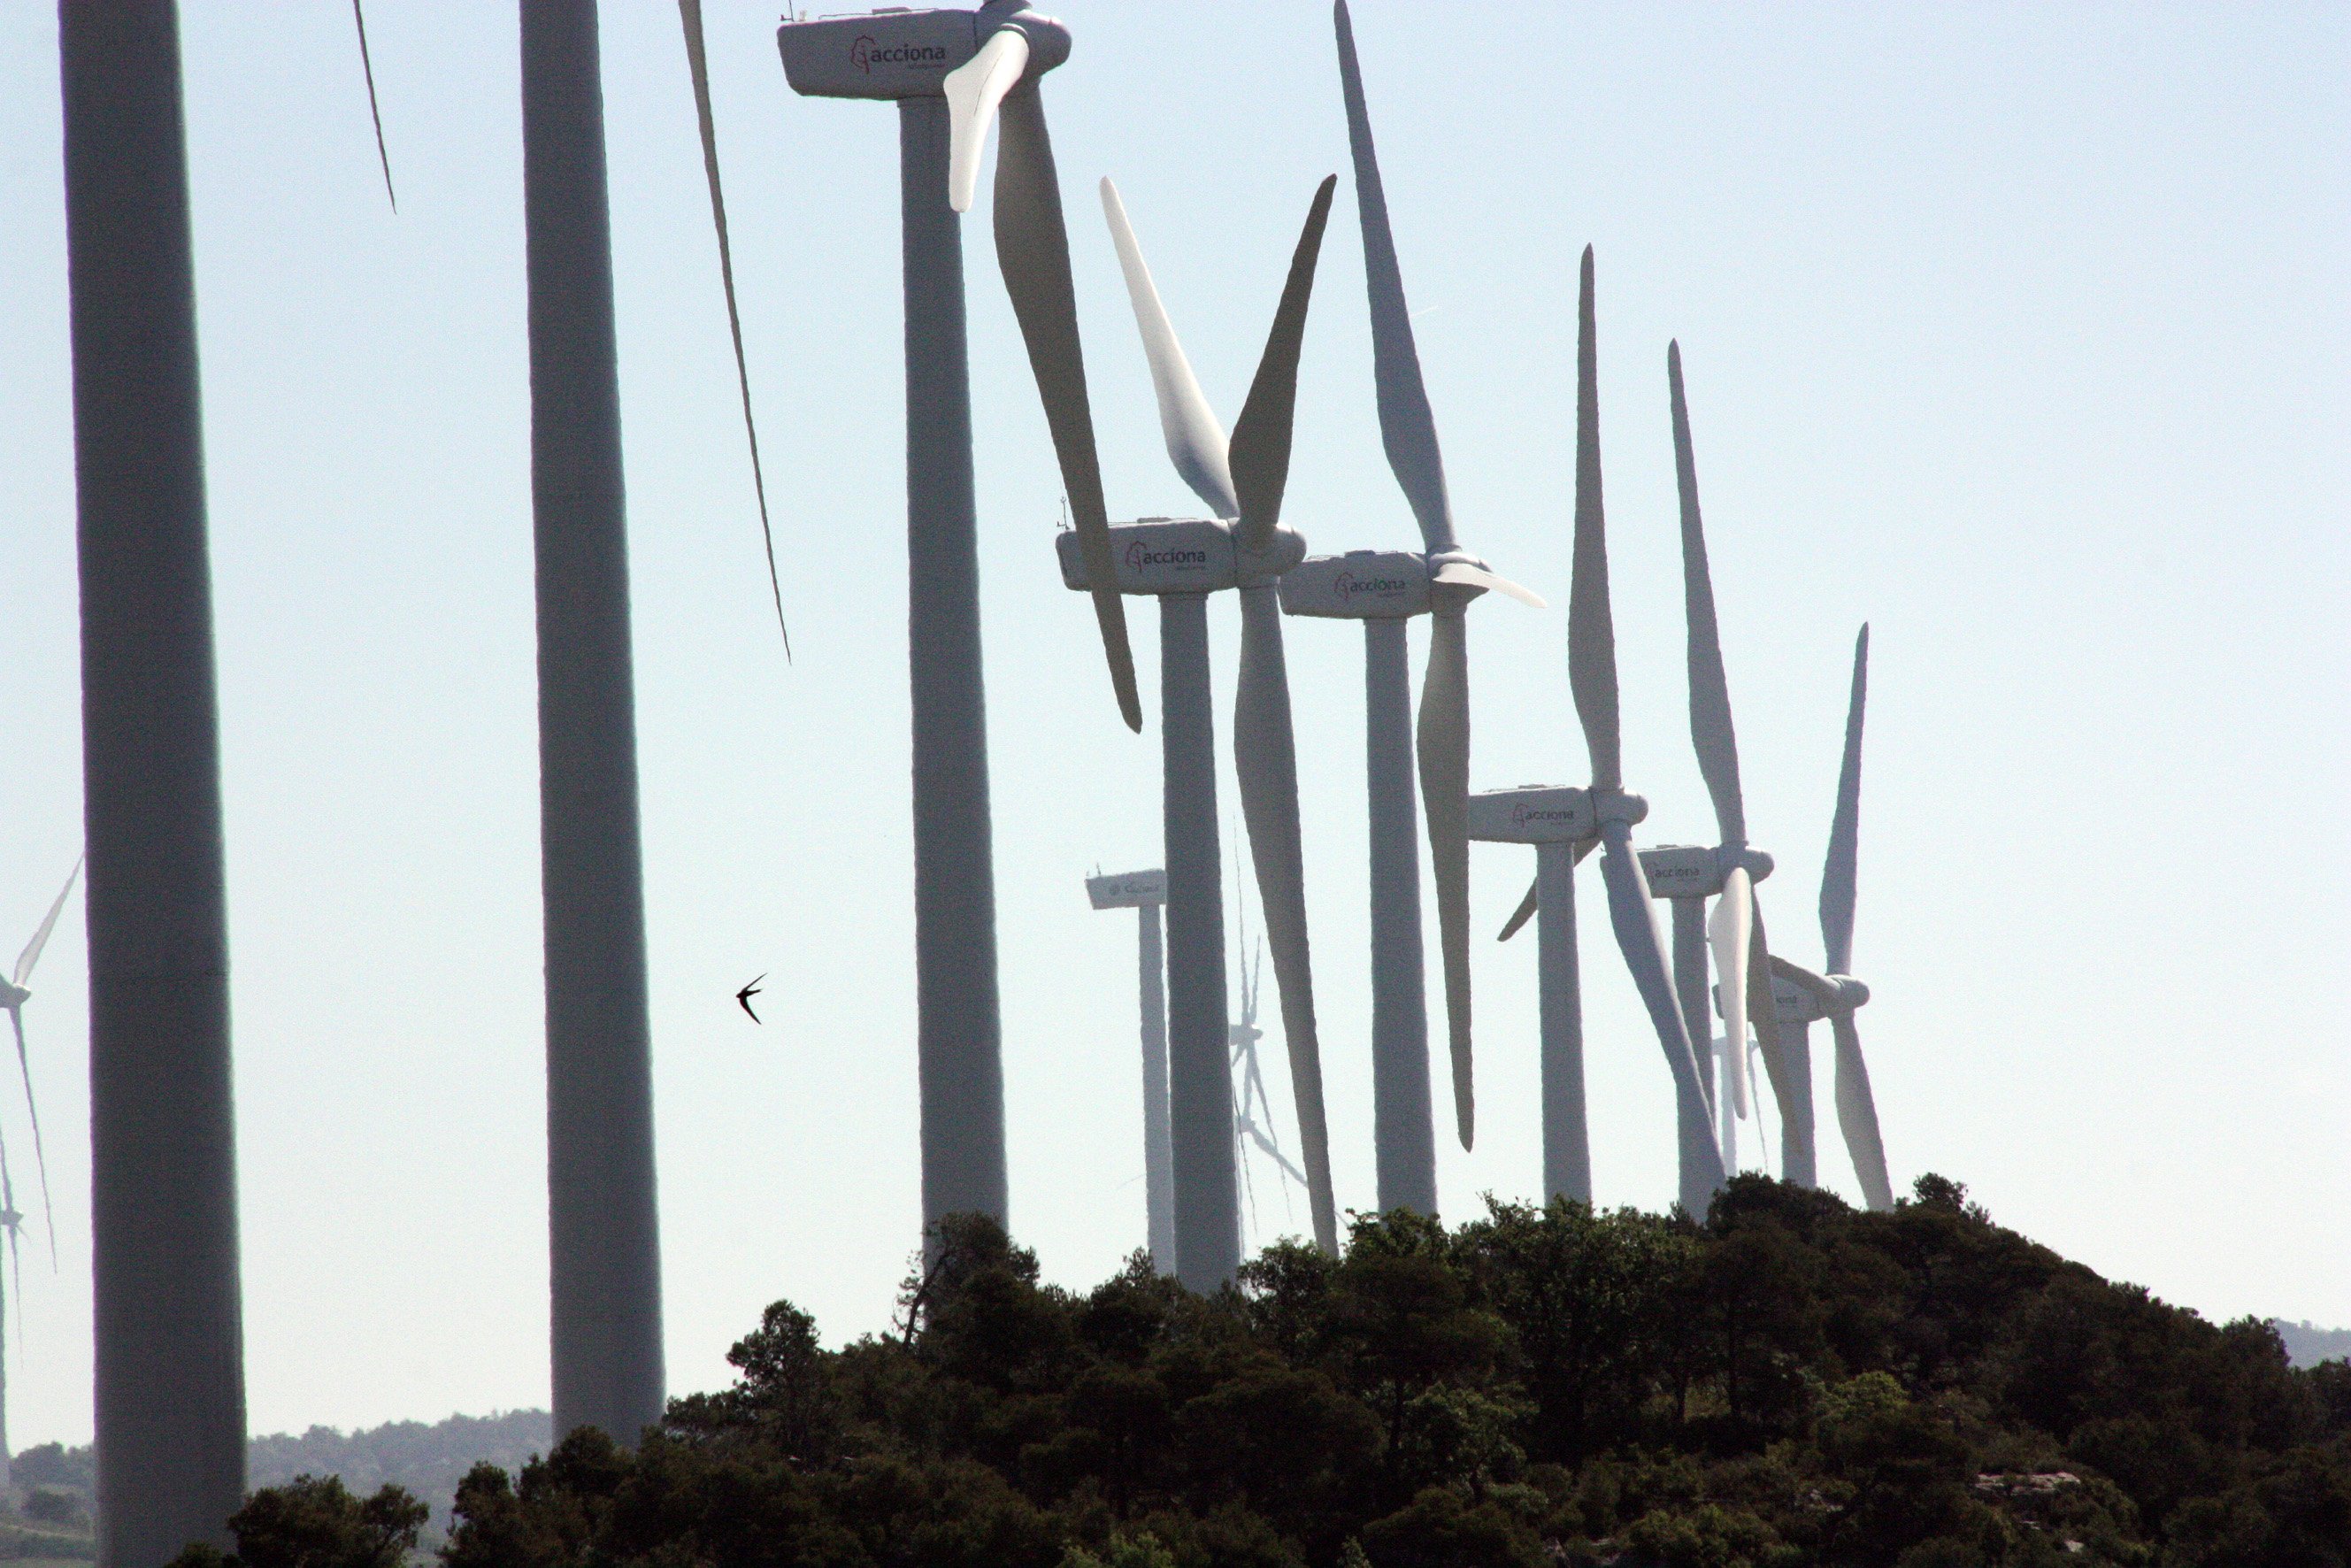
[1350, 588]
[1524, 816]
[865, 54]
[1141, 557]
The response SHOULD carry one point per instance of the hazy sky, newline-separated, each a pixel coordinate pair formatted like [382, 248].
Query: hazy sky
[2019, 333]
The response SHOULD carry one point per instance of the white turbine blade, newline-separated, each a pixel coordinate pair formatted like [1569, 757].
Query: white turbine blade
[1265, 755]
[1478, 576]
[1590, 627]
[1763, 1011]
[1443, 745]
[973, 89]
[1634, 916]
[1709, 689]
[32, 953]
[1838, 877]
[1032, 252]
[1196, 441]
[1728, 931]
[1857, 1116]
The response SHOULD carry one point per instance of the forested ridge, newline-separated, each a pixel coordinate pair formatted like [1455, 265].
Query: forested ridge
[1791, 1382]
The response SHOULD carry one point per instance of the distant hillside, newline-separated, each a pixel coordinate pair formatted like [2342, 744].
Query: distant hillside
[428, 1460]
[2308, 1344]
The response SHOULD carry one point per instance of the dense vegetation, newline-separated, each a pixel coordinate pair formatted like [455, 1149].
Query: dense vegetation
[1790, 1383]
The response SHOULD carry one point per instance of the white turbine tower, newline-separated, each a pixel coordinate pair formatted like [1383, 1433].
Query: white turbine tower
[1145, 892]
[1566, 823]
[1181, 562]
[1807, 998]
[1383, 590]
[14, 994]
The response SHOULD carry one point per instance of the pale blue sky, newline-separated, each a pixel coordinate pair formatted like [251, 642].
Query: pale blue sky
[2019, 331]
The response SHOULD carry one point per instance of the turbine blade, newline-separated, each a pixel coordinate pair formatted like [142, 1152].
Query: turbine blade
[1763, 1012]
[1407, 428]
[1032, 249]
[1260, 454]
[1591, 633]
[1478, 577]
[974, 91]
[1196, 441]
[32, 953]
[1443, 742]
[40, 1156]
[1524, 912]
[698, 67]
[1729, 933]
[1857, 1116]
[1634, 920]
[1838, 877]
[367, 68]
[1709, 688]
[1533, 900]
[1265, 755]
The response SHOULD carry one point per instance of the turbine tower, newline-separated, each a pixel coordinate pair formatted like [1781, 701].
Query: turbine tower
[1145, 892]
[948, 71]
[168, 1341]
[1383, 590]
[13, 997]
[1180, 563]
[1565, 823]
[604, 1219]
[1806, 997]
[1252, 1106]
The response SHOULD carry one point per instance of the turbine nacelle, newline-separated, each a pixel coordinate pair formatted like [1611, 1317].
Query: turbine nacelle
[1128, 890]
[900, 54]
[1698, 870]
[13, 997]
[1804, 997]
[1540, 814]
[1362, 585]
[1180, 555]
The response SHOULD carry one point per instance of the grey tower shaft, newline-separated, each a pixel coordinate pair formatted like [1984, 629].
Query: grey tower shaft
[958, 1033]
[1403, 1131]
[1797, 1161]
[603, 1226]
[169, 1325]
[1693, 1117]
[1567, 1140]
[1200, 1072]
[1159, 1164]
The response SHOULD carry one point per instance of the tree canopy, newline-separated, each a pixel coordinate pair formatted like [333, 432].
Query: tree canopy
[1791, 1382]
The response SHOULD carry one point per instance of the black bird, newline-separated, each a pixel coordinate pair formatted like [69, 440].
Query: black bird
[747, 993]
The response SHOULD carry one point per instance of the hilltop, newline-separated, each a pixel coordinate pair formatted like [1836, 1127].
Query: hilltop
[1789, 1383]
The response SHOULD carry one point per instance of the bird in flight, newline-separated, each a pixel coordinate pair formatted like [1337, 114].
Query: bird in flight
[747, 993]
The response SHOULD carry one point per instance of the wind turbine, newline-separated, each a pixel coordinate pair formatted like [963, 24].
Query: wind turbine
[1145, 892]
[950, 73]
[1565, 823]
[1181, 562]
[13, 997]
[1383, 590]
[1253, 1107]
[1264, 748]
[1726, 872]
[1808, 998]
